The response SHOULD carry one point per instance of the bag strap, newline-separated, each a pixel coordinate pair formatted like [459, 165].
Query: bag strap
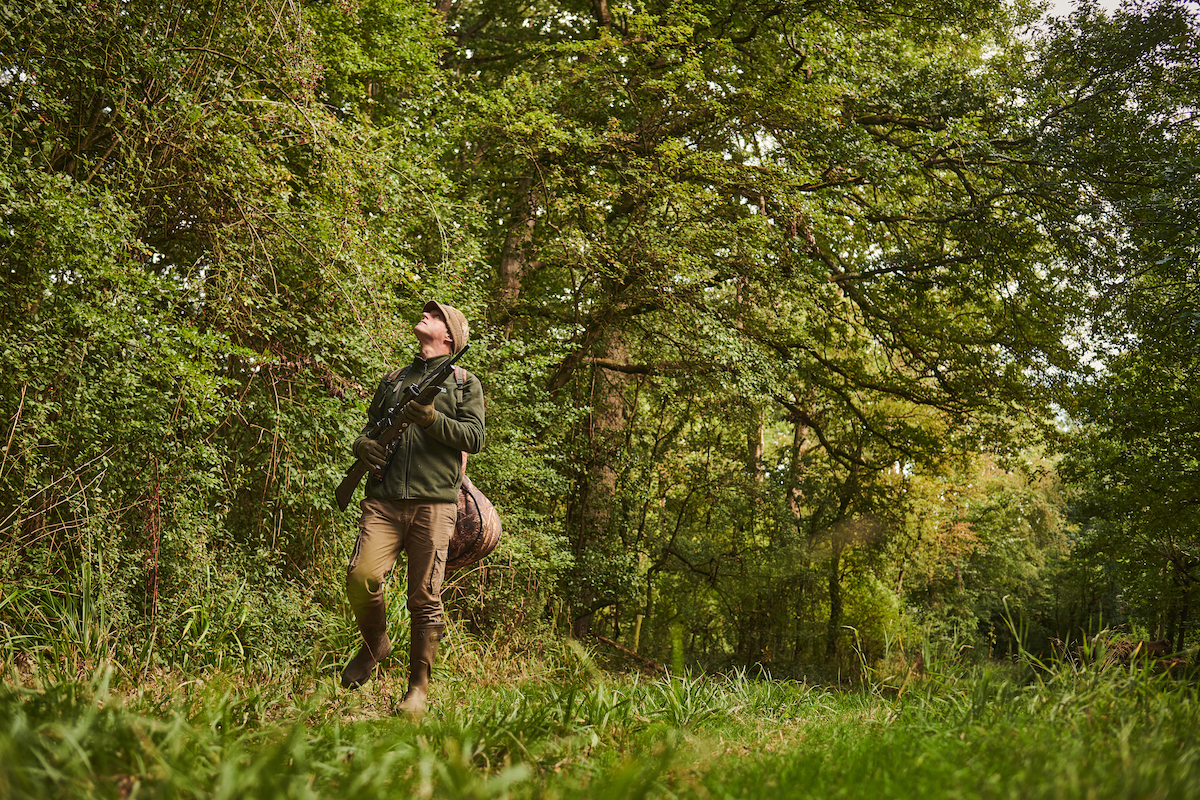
[459, 381]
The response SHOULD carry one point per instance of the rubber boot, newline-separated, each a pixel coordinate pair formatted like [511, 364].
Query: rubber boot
[372, 624]
[423, 652]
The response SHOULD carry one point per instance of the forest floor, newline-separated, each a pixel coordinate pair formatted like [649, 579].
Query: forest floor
[552, 724]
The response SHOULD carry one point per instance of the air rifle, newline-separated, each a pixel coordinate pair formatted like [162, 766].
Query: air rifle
[388, 429]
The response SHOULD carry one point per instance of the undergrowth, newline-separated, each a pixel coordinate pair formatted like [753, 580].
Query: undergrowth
[523, 716]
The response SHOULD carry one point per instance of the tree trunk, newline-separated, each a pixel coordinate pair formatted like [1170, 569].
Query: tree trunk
[755, 447]
[516, 254]
[590, 516]
[601, 12]
[1184, 612]
[834, 629]
[1169, 628]
[801, 444]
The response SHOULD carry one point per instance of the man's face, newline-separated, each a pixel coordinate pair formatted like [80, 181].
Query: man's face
[432, 327]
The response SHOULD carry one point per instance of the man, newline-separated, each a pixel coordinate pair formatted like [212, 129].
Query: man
[414, 507]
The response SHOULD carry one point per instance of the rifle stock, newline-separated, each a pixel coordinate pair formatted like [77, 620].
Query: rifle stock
[345, 489]
[392, 427]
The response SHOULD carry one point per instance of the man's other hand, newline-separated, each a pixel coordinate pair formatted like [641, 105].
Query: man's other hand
[373, 453]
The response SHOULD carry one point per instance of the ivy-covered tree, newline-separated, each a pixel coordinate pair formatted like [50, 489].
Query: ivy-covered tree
[200, 263]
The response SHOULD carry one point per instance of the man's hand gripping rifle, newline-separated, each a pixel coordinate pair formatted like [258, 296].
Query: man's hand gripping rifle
[390, 427]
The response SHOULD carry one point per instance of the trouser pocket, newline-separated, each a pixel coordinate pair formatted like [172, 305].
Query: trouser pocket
[355, 553]
[438, 574]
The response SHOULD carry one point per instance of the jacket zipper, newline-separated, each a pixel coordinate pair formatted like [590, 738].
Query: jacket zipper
[408, 447]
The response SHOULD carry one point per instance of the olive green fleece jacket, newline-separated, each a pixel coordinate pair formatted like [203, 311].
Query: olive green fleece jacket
[427, 462]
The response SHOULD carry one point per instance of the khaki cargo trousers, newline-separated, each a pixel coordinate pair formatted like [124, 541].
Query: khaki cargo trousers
[419, 529]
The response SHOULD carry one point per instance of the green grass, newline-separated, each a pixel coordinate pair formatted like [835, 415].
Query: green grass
[536, 718]
[1095, 734]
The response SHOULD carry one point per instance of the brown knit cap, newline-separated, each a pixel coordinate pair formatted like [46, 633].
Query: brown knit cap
[456, 323]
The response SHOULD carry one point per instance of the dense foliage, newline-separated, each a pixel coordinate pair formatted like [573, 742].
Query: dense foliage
[786, 314]
[1136, 456]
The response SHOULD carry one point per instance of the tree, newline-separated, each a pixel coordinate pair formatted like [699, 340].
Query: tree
[814, 215]
[1126, 135]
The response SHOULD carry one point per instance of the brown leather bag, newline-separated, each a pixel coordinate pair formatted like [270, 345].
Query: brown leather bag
[477, 530]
